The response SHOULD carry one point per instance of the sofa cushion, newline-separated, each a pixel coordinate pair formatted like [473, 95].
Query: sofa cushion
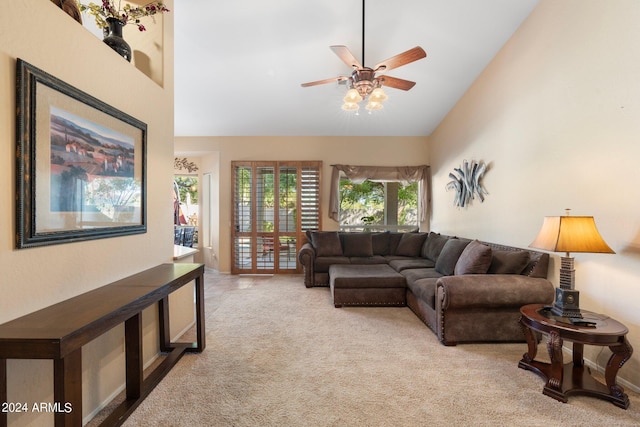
[425, 290]
[414, 274]
[323, 263]
[369, 260]
[411, 244]
[509, 262]
[326, 243]
[380, 243]
[394, 240]
[451, 251]
[357, 244]
[433, 246]
[474, 259]
[364, 277]
[404, 264]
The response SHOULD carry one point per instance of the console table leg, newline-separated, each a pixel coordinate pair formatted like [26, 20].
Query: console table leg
[133, 355]
[165, 329]
[3, 390]
[200, 328]
[67, 388]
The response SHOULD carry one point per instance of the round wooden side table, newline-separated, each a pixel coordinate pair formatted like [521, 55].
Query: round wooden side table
[563, 379]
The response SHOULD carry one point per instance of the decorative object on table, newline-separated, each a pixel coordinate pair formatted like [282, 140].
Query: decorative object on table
[112, 19]
[70, 7]
[569, 234]
[467, 183]
[363, 83]
[81, 168]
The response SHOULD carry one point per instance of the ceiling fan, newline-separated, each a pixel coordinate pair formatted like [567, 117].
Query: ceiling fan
[366, 82]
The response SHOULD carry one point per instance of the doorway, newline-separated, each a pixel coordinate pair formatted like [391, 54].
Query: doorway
[274, 204]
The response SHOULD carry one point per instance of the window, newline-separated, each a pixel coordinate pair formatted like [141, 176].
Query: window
[374, 206]
[274, 204]
[395, 197]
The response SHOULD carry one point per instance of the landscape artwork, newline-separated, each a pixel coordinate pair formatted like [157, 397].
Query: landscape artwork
[92, 170]
[81, 165]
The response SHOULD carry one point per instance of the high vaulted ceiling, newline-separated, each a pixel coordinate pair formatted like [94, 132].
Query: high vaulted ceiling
[239, 64]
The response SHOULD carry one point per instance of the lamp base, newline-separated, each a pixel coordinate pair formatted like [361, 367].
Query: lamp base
[567, 303]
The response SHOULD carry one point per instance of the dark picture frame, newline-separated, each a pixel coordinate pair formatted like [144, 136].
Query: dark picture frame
[81, 164]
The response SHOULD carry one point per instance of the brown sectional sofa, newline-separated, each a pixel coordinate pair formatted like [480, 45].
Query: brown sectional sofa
[463, 289]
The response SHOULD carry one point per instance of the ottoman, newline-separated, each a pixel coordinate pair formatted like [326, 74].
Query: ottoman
[377, 284]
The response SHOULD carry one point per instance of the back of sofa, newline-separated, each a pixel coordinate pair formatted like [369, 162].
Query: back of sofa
[538, 265]
[364, 248]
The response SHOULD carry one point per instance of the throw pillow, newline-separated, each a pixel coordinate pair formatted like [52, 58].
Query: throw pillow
[357, 244]
[449, 255]
[411, 244]
[509, 262]
[394, 240]
[474, 259]
[380, 242]
[433, 246]
[326, 243]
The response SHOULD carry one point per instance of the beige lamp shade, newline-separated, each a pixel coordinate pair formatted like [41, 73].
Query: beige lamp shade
[570, 234]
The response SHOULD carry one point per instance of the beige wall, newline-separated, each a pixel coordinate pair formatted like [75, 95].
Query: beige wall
[218, 153]
[556, 115]
[41, 34]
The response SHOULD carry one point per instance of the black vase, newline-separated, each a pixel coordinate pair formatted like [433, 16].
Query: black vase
[113, 38]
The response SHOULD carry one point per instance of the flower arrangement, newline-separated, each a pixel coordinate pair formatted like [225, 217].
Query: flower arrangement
[126, 14]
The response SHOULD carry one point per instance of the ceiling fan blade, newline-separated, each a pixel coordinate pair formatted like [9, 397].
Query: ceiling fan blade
[321, 82]
[346, 56]
[396, 83]
[401, 59]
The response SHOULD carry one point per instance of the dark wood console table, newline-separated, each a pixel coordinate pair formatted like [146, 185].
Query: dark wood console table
[58, 332]
[572, 378]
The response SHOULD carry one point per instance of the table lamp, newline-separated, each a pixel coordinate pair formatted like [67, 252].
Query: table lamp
[569, 234]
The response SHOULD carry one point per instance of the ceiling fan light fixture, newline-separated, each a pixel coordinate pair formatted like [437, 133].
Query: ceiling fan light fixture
[352, 97]
[350, 106]
[363, 83]
[378, 95]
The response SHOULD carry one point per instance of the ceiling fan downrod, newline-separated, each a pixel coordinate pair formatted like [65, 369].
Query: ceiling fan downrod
[363, 63]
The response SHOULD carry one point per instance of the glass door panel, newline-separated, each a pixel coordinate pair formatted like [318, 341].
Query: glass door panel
[274, 204]
[243, 259]
[288, 196]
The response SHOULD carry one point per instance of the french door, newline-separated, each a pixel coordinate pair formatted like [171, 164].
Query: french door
[274, 204]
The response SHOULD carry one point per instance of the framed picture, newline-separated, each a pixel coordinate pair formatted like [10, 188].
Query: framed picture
[81, 164]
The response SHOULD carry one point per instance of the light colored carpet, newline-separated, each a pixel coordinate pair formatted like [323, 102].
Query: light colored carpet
[279, 354]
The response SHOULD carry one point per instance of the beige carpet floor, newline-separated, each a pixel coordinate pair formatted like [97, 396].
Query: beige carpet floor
[279, 354]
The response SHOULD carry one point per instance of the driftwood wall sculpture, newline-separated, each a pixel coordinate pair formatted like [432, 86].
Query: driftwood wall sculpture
[467, 183]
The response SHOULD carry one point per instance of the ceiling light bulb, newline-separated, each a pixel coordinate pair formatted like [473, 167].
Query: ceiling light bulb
[378, 95]
[373, 106]
[352, 96]
[350, 106]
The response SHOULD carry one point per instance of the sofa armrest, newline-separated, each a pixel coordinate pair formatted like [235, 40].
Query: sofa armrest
[307, 257]
[493, 290]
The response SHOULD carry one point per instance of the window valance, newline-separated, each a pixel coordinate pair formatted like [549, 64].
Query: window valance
[359, 174]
